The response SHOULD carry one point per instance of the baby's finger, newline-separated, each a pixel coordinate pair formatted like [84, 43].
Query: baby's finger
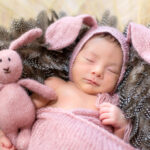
[104, 110]
[104, 116]
[3, 148]
[107, 122]
[13, 148]
[105, 104]
[6, 143]
[6, 148]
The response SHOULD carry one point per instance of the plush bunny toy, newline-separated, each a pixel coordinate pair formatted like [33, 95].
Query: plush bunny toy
[17, 112]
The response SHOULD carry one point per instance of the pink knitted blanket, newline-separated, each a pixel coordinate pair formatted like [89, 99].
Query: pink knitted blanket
[57, 129]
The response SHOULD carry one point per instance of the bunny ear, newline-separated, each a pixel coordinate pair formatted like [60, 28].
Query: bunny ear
[139, 35]
[64, 31]
[26, 38]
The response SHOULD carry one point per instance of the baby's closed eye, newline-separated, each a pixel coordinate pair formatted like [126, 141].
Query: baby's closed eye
[89, 59]
[112, 70]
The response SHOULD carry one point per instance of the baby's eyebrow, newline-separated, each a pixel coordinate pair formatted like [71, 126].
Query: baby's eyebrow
[113, 64]
[89, 53]
[92, 53]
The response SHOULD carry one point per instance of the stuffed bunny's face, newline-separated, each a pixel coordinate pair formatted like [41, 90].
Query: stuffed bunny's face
[10, 66]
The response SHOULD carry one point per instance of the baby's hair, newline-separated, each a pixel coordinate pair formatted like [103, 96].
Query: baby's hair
[109, 37]
[134, 94]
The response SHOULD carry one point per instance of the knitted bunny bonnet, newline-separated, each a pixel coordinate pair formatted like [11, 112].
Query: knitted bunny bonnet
[139, 36]
[63, 32]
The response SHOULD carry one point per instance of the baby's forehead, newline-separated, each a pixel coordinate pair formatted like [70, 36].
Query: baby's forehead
[102, 37]
[101, 40]
[105, 35]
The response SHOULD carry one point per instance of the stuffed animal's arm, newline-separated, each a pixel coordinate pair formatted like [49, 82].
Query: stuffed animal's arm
[40, 89]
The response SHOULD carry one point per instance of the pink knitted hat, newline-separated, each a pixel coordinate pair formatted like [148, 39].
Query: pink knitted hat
[63, 32]
[102, 29]
[139, 35]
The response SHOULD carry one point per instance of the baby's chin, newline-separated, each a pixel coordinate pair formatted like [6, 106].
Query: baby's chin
[90, 91]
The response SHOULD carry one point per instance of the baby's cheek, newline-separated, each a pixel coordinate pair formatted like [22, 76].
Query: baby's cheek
[83, 68]
[109, 83]
[113, 79]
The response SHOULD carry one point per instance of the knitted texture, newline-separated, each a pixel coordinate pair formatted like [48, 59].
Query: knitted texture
[16, 109]
[64, 31]
[69, 130]
[98, 30]
[139, 36]
[113, 99]
[134, 91]
[57, 128]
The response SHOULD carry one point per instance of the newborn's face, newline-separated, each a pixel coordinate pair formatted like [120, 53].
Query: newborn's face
[97, 67]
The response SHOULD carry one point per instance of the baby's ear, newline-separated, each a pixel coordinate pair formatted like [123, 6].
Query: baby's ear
[139, 36]
[64, 31]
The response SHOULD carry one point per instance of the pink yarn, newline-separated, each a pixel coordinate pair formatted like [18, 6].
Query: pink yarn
[64, 31]
[105, 97]
[139, 36]
[17, 111]
[98, 30]
[81, 129]
[114, 99]
[57, 129]
[62, 130]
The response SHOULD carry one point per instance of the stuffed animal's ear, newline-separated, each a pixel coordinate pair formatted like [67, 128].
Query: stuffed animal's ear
[26, 38]
[139, 36]
[64, 31]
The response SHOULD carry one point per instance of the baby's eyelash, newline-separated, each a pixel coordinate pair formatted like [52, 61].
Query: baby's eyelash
[113, 71]
[90, 60]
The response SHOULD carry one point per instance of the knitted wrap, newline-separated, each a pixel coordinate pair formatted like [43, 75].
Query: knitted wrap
[57, 129]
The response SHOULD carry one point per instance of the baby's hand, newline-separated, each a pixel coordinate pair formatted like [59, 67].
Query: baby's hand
[112, 115]
[5, 143]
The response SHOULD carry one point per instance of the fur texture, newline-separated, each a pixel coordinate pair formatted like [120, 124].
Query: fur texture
[135, 88]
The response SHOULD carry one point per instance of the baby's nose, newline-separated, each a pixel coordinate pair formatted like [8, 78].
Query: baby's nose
[98, 72]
